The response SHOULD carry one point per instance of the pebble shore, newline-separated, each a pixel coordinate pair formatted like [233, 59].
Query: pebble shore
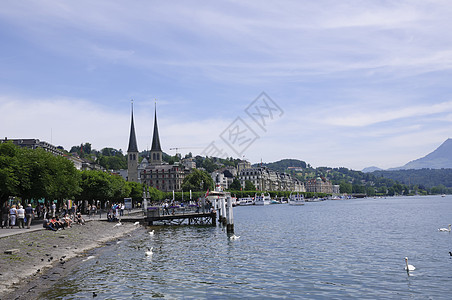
[42, 250]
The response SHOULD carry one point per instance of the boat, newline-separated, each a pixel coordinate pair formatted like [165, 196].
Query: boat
[262, 199]
[296, 199]
[215, 196]
[246, 201]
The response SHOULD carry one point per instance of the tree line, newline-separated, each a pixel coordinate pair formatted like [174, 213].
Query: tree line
[33, 175]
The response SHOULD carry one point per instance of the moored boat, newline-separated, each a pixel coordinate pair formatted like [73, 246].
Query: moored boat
[245, 201]
[296, 199]
[262, 199]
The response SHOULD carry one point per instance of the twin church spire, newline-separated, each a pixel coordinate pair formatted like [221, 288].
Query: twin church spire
[155, 157]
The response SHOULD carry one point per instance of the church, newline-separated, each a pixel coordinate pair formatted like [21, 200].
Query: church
[155, 172]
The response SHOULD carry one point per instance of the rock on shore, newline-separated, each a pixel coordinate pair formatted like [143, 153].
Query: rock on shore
[43, 249]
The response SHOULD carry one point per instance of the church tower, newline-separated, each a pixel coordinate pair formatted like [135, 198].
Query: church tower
[132, 154]
[156, 151]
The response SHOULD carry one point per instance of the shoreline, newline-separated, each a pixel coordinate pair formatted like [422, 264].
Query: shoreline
[46, 255]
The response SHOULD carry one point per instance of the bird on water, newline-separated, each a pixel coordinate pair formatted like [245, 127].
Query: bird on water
[151, 232]
[444, 229]
[408, 267]
[149, 252]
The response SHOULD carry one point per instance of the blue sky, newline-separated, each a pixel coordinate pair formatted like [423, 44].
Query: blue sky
[358, 83]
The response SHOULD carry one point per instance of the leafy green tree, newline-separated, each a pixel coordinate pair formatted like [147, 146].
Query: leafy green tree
[235, 185]
[194, 180]
[370, 191]
[136, 191]
[119, 188]
[10, 170]
[64, 179]
[249, 186]
[96, 185]
[345, 188]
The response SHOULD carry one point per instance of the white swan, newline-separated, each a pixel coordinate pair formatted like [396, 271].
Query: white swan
[149, 252]
[234, 237]
[408, 267]
[118, 224]
[136, 223]
[444, 229]
[151, 232]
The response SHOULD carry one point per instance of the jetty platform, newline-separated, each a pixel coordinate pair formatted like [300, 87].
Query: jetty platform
[178, 216]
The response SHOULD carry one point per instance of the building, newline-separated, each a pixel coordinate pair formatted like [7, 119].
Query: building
[35, 144]
[265, 179]
[243, 165]
[132, 154]
[189, 162]
[319, 185]
[158, 174]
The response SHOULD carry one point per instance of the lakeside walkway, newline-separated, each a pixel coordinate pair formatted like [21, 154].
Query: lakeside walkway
[36, 225]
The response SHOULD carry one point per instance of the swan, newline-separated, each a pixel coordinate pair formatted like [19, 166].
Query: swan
[149, 252]
[118, 224]
[234, 237]
[408, 267]
[151, 232]
[136, 223]
[445, 229]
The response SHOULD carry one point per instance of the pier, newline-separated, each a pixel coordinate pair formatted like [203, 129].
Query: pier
[179, 216]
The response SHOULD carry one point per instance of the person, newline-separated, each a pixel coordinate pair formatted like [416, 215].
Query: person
[53, 209]
[48, 225]
[12, 216]
[165, 208]
[29, 215]
[93, 210]
[5, 215]
[79, 219]
[122, 210]
[21, 217]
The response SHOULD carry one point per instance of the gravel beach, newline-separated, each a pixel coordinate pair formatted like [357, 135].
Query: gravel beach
[44, 251]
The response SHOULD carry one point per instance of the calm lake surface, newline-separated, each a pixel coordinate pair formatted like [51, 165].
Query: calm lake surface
[331, 249]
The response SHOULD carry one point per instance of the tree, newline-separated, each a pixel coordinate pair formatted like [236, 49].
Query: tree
[95, 185]
[136, 191]
[345, 188]
[64, 179]
[235, 185]
[249, 186]
[9, 171]
[197, 181]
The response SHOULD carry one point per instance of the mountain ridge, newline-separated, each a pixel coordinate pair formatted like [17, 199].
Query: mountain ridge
[440, 158]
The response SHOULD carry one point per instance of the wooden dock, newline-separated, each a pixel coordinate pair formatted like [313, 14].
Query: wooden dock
[179, 217]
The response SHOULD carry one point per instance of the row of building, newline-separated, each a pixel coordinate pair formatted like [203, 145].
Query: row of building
[154, 172]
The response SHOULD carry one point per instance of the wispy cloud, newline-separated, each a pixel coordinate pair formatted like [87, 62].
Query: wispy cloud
[357, 75]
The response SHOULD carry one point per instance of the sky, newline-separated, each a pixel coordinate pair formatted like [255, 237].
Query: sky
[334, 83]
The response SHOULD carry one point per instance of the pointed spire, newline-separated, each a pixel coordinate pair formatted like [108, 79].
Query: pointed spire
[133, 139]
[155, 139]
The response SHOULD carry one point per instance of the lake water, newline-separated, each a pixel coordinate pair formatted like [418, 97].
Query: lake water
[331, 249]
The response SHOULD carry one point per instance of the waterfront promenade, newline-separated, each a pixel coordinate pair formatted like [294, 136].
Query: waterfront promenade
[37, 250]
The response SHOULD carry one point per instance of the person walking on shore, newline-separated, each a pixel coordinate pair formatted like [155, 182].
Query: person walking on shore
[12, 216]
[5, 215]
[53, 210]
[21, 217]
[29, 215]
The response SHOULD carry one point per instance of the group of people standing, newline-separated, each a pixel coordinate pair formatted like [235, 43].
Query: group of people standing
[116, 212]
[16, 215]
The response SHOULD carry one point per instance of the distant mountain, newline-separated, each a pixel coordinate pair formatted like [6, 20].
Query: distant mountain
[441, 158]
[371, 169]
